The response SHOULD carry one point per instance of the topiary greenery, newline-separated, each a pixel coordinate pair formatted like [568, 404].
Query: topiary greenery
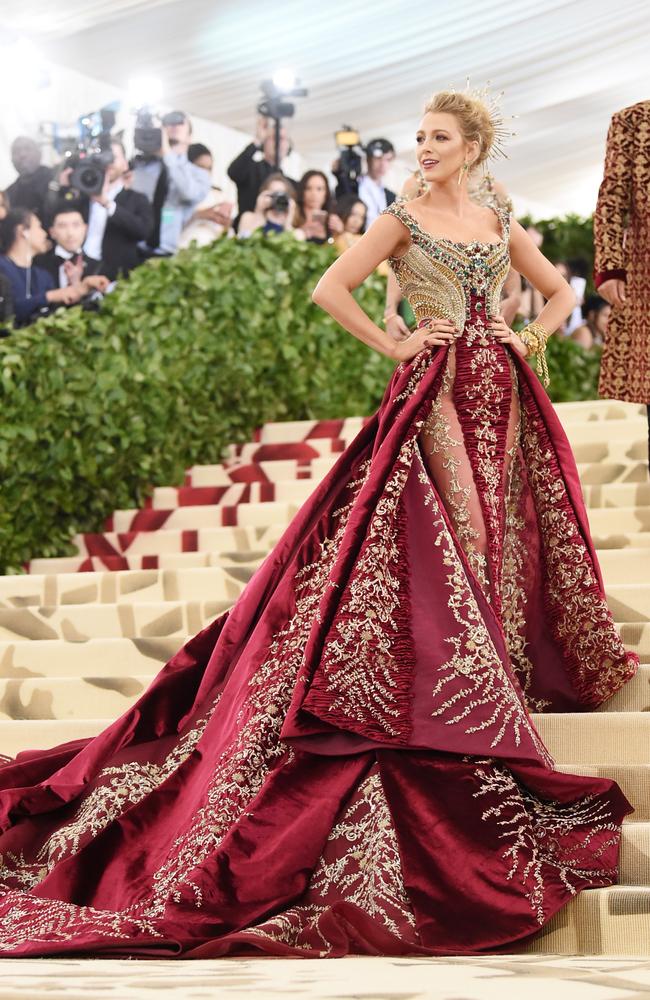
[189, 354]
[186, 356]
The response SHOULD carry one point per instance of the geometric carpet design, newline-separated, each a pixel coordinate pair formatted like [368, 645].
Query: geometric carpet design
[81, 637]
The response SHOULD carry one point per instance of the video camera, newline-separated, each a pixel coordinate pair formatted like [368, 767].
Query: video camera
[93, 154]
[148, 136]
[351, 150]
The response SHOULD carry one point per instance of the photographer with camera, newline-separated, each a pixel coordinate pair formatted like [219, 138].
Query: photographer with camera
[22, 238]
[212, 217]
[174, 186]
[30, 189]
[275, 208]
[368, 186]
[255, 164]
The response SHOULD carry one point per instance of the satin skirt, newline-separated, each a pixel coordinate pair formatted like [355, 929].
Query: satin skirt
[345, 762]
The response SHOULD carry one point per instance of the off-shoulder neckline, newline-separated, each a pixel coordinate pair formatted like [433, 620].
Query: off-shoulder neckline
[447, 239]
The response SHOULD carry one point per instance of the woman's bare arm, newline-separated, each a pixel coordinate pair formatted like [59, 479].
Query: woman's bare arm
[386, 237]
[530, 262]
[511, 296]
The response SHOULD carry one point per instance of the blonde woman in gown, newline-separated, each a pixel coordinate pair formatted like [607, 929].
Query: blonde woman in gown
[346, 762]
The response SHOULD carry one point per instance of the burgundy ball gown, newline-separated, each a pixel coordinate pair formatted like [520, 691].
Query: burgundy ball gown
[345, 762]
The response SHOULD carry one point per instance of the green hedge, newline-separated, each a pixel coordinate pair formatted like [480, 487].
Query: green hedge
[189, 354]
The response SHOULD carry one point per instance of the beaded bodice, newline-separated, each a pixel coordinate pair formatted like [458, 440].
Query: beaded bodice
[449, 279]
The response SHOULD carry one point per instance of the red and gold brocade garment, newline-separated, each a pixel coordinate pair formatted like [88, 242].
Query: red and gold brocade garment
[346, 761]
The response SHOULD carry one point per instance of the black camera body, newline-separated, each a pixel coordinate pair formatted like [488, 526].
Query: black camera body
[279, 202]
[147, 137]
[89, 171]
[93, 155]
[350, 168]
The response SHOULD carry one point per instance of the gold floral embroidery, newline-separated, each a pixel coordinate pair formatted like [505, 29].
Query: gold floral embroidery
[536, 833]
[475, 664]
[360, 864]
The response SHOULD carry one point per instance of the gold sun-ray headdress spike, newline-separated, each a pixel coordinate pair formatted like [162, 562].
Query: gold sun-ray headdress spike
[492, 101]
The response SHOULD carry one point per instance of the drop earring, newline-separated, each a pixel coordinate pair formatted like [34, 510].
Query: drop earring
[463, 170]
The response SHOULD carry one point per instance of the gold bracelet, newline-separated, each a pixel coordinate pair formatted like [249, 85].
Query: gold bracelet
[535, 337]
[389, 315]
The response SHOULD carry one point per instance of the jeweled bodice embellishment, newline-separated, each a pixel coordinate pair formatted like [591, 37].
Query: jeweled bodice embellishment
[445, 278]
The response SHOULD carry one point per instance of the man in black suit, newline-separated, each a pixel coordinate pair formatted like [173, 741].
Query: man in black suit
[30, 189]
[66, 262]
[254, 164]
[118, 219]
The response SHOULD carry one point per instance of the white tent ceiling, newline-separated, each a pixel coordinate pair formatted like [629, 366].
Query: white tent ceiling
[565, 68]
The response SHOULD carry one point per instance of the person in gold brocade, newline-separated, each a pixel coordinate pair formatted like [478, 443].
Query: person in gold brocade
[622, 255]
[484, 190]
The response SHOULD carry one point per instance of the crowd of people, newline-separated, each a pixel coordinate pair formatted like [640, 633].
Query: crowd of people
[60, 247]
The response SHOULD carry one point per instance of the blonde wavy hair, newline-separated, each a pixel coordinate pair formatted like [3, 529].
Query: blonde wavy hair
[473, 117]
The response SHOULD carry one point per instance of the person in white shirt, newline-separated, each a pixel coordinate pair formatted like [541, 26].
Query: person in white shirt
[380, 155]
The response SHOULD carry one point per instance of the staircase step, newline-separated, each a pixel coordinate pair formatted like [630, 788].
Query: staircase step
[633, 697]
[113, 659]
[612, 921]
[598, 409]
[78, 622]
[596, 737]
[618, 520]
[70, 698]
[629, 602]
[625, 566]
[217, 583]
[617, 495]
[272, 472]
[165, 540]
[294, 491]
[208, 516]
[634, 780]
[596, 473]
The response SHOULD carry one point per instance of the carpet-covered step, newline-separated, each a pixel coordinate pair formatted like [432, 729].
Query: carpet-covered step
[108, 658]
[79, 622]
[597, 473]
[611, 921]
[92, 692]
[208, 516]
[170, 560]
[218, 583]
[617, 495]
[301, 451]
[298, 490]
[287, 491]
[636, 636]
[622, 540]
[260, 472]
[624, 566]
[166, 540]
[70, 698]
[633, 696]
[606, 521]
[596, 737]
[629, 602]
[598, 409]
[606, 451]
[634, 780]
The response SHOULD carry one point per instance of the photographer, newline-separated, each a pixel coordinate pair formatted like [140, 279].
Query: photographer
[274, 209]
[22, 237]
[255, 164]
[170, 181]
[118, 220]
[30, 189]
[380, 154]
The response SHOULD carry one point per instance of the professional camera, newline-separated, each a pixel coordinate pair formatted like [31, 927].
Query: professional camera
[93, 154]
[275, 106]
[350, 147]
[148, 136]
[279, 202]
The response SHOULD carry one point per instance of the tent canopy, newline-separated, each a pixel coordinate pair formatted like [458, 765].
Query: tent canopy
[565, 68]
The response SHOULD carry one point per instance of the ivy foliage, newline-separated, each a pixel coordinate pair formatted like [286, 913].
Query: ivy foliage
[188, 355]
